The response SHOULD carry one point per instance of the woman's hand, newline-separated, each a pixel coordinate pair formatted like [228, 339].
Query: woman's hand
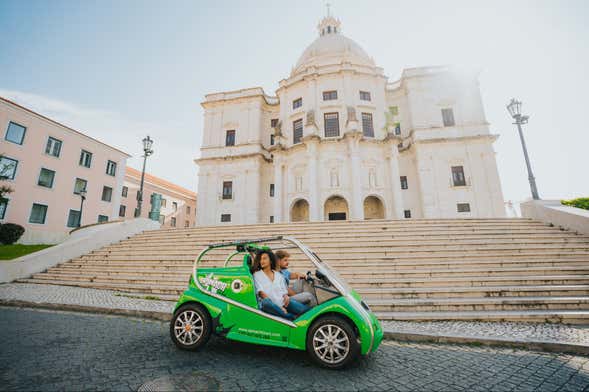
[286, 299]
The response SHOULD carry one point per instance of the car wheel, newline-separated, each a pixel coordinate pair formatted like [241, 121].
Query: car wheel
[190, 327]
[332, 343]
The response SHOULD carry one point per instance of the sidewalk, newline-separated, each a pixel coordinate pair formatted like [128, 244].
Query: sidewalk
[536, 336]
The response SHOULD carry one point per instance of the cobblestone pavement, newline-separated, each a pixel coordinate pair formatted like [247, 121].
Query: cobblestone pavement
[50, 350]
[525, 332]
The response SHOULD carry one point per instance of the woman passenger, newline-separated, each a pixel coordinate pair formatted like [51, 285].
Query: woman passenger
[271, 288]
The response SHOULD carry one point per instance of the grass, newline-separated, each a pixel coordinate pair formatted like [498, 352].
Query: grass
[9, 252]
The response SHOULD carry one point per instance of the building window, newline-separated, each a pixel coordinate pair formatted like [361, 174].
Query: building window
[331, 123]
[3, 205]
[364, 96]
[80, 185]
[85, 158]
[53, 147]
[46, 178]
[164, 202]
[122, 210]
[125, 191]
[367, 126]
[297, 103]
[230, 138]
[173, 222]
[111, 168]
[458, 176]
[175, 206]
[407, 214]
[404, 182]
[15, 133]
[271, 190]
[397, 128]
[225, 217]
[297, 131]
[272, 139]
[448, 117]
[38, 213]
[187, 210]
[273, 123]
[271, 218]
[106, 193]
[162, 219]
[102, 218]
[329, 95]
[8, 168]
[227, 190]
[186, 224]
[463, 207]
[73, 219]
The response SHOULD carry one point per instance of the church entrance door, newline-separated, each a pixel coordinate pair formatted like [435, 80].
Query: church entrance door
[300, 211]
[373, 208]
[336, 208]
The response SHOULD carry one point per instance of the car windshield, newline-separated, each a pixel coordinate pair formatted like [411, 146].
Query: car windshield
[333, 276]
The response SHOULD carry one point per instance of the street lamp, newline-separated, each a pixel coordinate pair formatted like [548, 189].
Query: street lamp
[147, 151]
[82, 198]
[514, 109]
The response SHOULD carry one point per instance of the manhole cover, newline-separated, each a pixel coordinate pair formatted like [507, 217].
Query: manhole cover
[188, 382]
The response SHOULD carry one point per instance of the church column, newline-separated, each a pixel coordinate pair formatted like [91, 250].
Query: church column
[277, 190]
[356, 212]
[397, 206]
[313, 184]
[252, 194]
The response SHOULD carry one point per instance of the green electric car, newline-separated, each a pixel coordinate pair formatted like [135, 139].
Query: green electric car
[221, 299]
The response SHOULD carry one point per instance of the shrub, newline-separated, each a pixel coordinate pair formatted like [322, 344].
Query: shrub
[10, 233]
[581, 202]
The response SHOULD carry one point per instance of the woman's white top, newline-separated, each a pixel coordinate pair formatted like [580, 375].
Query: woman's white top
[275, 290]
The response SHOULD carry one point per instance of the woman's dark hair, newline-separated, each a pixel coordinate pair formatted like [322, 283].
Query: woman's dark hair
[256, 265]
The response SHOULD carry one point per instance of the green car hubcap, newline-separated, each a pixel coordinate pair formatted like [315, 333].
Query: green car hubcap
[188, 327]
[331, 343]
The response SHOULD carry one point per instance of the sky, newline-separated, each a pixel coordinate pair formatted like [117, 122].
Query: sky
[120, 70]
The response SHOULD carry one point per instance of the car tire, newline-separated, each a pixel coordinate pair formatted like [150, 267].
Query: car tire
[332, 342]
[190, 327]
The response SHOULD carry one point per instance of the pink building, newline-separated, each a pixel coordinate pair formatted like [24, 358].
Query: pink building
[178, 204]
[47, 165]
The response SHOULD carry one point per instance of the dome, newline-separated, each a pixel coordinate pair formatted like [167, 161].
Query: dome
[331, 47]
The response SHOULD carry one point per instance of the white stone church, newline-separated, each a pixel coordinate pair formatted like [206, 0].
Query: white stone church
[339, 141]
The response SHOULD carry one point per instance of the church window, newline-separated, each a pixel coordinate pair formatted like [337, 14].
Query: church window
[227, 190]
[297, 103]
[463, 207]
[225, 217]
[271, 190]
[407, 214]
[365, 96]
[272, 139]
[297, 131]
[331, 122]
[458, 176]
[404, 184]
[448, 117]
[367, 125]
[397, 128]
[273, 122]
[330, 95]
[230, 138]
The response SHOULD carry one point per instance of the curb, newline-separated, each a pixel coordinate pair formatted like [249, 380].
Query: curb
[554, 347]
[162, 316]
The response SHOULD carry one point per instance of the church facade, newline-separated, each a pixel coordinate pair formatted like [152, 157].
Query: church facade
[339, 141]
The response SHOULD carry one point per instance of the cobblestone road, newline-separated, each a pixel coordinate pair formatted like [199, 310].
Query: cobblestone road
[56, 350]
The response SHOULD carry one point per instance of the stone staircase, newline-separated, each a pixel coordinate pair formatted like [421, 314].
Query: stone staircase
[459, 269]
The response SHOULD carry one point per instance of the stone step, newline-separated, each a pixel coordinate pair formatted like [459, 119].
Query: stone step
[480, 291]
[133, 288]
[479, 304]
[552, 316]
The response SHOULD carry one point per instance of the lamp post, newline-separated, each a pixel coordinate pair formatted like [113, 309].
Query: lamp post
[147, 151]
[82, 198]
[514, 109]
